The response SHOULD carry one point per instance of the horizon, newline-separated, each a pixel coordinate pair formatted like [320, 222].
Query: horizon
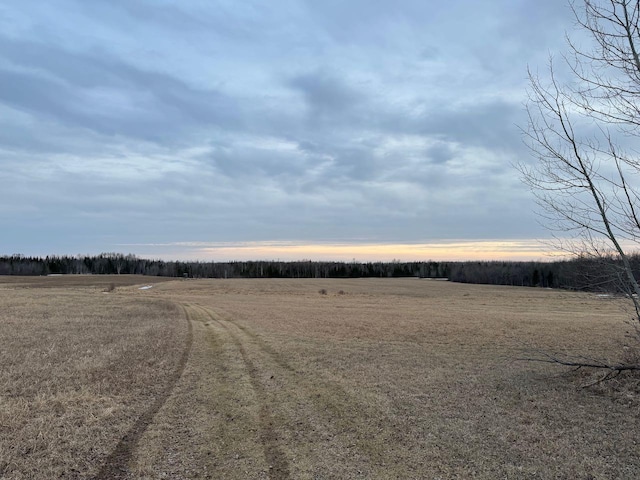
[346, 252]
[457, 251]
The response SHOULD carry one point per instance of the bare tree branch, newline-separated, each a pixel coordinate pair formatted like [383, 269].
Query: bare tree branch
[586, 178]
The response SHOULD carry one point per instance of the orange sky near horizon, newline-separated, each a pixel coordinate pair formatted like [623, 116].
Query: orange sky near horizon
[519, 250]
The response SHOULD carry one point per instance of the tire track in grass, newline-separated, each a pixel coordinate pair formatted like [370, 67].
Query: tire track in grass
[329, 413]
[115, 465]
[333, 406]
[275, 458]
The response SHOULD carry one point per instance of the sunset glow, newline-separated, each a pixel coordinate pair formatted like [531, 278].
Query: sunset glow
[361, 252]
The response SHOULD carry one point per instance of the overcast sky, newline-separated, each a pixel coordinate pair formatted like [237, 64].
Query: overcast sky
[278, 128]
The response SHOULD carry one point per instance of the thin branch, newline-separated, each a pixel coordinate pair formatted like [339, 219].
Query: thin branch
[580, 362]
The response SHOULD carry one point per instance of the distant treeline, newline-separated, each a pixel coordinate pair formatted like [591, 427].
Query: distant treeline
[580, 273]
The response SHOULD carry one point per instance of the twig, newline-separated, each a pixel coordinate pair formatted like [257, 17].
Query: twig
[585, 362]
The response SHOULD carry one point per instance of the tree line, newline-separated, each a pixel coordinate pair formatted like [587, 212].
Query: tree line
[586, 273]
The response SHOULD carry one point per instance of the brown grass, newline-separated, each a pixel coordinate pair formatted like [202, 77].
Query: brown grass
[78, 368]
[395, 379]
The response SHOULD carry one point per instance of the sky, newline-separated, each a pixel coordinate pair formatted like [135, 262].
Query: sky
[273, 129]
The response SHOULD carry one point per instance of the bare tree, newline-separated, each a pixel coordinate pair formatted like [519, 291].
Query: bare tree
[583, 127]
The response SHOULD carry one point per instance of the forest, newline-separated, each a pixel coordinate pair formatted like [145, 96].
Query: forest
[593, 274]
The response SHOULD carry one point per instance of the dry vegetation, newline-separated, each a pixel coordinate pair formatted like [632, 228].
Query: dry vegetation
[78, 368]
[377, 378]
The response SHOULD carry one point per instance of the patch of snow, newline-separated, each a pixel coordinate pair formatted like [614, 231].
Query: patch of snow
[146, 287]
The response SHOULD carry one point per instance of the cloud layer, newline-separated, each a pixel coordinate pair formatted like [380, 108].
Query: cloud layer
[146, 122]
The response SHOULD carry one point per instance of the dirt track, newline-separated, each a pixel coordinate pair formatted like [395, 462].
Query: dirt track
[227, 330]
[255, 412]
[116, 464]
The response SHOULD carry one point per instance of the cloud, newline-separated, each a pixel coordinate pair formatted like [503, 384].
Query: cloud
[440, 153]
[163, 122]
[326, 95]
[106, 95]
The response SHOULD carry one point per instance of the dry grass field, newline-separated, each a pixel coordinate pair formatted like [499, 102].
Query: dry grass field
[377, 378]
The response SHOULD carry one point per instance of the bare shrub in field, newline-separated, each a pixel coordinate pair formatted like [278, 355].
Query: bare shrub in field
[110, 288]
[322, 291]
[341, 292]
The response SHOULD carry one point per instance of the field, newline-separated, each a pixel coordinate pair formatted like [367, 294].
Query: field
[376, 378]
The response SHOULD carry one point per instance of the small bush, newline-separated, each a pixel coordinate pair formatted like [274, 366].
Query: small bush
[110, 288]
[322, 291]
[340, 292]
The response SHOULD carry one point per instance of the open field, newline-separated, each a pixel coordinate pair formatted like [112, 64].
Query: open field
[393, 378]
